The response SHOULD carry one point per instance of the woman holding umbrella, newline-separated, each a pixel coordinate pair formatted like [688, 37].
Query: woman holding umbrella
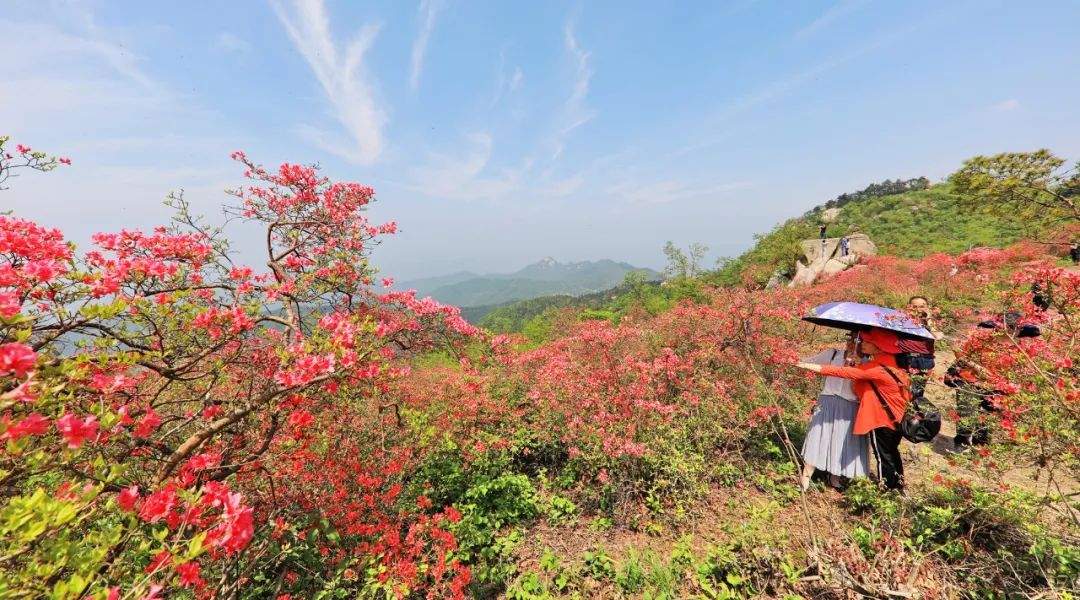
[877, 383]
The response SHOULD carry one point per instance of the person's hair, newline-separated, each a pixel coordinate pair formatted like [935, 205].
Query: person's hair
[914, 298]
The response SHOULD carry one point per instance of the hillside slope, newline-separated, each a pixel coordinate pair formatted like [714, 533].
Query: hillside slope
[911, 224]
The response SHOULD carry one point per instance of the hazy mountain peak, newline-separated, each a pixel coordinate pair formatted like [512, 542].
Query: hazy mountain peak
[544, 277]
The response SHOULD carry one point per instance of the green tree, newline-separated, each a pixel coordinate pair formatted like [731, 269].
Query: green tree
[1029, 190]
[685, 265]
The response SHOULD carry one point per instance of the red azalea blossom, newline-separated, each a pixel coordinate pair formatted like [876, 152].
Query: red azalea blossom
[9, 304]
[189, 575]
[32, 424]
[160, 561]
[16, 359]
[147, 424]
[76, 431]
[128, 498]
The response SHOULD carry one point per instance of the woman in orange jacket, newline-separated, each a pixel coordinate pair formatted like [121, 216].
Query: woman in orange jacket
[882, 373]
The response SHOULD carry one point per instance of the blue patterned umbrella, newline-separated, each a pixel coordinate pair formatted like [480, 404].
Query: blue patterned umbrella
[855, 316]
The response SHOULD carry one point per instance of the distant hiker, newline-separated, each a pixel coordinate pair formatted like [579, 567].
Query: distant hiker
[975, 402]
[1074, 253]
[823, 231]
[1038, 298]
[883, 392]
[830, 445]
[843, 246]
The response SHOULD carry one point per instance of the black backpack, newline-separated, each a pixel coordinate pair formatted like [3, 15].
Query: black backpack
[921, 421]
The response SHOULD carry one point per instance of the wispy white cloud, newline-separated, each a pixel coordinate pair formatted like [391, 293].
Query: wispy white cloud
[39, 51]
[1005, 106]
[506, 81]
[341, 76]
[230, 42]
[785, 85]
[466, 175]
[668, 191]
[837, 11]
[575, 112]
[428, 10]
[77, 89]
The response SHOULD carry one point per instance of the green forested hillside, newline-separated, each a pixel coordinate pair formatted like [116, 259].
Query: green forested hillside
[536, 317]
[916, 224]
[911, 224]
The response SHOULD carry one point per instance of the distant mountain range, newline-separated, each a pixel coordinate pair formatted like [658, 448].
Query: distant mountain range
[543, 278]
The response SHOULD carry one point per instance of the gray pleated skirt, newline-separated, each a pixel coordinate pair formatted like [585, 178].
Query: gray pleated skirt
[830, 446]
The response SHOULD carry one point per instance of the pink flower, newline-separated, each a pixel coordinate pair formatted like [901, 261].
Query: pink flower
[162, 560]
[128, 498]
[240, 273]
[9, 304]
[236, 525]
[76, 431]
[147, 424]
[159, 504]
[16, 358]
[32, 424]
[65, 161]
[43, 271]
[189, 574]
[301, 419]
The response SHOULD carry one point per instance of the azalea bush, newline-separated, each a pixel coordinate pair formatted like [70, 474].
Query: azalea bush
[175, 420]
[176, 423]
[634, 419]
[1031, 384]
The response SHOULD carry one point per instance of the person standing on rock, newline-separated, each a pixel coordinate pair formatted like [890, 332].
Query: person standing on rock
[882, 388]
[843, 246]
[823, 231]
[830, 445]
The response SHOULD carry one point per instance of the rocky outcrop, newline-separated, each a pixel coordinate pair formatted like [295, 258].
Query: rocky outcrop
[823, 258]
[778, 279]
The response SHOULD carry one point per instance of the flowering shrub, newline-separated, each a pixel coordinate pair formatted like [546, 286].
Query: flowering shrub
[1032, 384]
[176, 423]
[168, 415]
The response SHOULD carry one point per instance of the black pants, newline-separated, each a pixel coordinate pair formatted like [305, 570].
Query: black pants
[886, 445]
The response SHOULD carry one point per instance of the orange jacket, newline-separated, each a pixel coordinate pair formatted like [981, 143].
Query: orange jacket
[871, 415]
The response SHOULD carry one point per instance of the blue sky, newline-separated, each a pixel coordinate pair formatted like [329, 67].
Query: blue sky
[497, 133]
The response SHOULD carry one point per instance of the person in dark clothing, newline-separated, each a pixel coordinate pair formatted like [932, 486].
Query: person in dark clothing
[1074, 253]
[823, 230]
[974, 403]
[1038, 298]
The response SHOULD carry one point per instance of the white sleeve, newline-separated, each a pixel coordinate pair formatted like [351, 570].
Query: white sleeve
[825, 357]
